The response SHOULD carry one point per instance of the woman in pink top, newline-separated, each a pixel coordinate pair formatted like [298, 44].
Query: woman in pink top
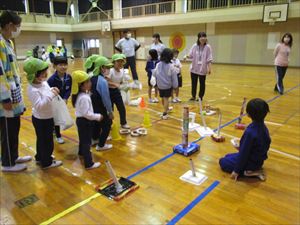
[201, 56]
[281, 53]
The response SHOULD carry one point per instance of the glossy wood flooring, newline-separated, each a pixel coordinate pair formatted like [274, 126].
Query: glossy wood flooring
[162, 195]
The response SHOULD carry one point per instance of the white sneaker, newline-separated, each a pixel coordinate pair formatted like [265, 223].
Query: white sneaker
[15, 168]
[178, 99]
[108, 138]
[151, 100]
[125, 126]
[94, 142]
[174, 100]
[155, 100]
[165, 117]
[39, 162]
[55, 163]
[94, 166]
[23, 159]
[60, 140]
[105, 147]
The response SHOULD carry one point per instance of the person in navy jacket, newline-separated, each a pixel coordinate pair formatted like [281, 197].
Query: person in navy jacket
[254, 144]
[63, 81]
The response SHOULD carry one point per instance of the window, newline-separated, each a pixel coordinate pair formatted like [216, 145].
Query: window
[59, 42]
[93, 43]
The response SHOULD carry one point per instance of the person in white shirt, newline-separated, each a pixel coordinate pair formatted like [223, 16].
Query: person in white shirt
[157, 44]
[41, 95]
[128, 46]
[177, 64]
[84, 112]
[115, 80]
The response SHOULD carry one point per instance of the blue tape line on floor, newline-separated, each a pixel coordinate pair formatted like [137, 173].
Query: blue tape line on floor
[193, 203]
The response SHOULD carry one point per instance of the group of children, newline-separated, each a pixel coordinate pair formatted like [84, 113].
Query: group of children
[94, 93]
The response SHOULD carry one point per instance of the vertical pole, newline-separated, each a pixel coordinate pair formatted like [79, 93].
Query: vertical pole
[192, 168]
[220, 121]
[201, 114]
[112, 174]
[185, 127]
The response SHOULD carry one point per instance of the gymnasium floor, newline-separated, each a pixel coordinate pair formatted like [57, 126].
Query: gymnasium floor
[66, 194]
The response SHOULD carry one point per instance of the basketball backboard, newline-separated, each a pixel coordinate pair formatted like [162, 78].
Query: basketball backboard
[275, 13]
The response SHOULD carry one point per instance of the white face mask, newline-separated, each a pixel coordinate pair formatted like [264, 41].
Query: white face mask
[286, 40]
[15, 34]
[128, 35]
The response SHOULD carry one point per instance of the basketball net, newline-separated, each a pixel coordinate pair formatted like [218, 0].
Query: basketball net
[272, 21]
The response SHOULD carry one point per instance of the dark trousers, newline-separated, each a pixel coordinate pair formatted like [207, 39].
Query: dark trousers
[85, 134]
[130, 62]
[57, 131]
[101, 129]
[9, 132]
[116, 98]
[44, 140]
[228, 162]
[194, 79]
[280, 73]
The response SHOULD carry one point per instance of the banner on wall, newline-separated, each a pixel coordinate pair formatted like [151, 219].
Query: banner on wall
[177, 40]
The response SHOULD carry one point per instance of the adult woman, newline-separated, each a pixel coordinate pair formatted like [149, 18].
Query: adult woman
[201, 56]
[11, 102]
[281, 54]
[157, 44]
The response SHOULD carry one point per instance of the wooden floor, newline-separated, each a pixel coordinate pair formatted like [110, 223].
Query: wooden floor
[162, 195]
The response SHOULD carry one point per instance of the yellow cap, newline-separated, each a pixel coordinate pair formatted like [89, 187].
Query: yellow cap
[78, 77]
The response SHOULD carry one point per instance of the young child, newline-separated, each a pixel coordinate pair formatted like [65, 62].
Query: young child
[150, 66]
[81, 100]
[115, 79]
[166, 79]
[176, 63]
[99, 67]
[63, 82]
[41, 95]
[254, 144]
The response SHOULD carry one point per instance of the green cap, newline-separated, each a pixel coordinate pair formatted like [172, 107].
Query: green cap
[116, 57]
[99, 62]
[89, 61]
[78, 77]
[32, 66]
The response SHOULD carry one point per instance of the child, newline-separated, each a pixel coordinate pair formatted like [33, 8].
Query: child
[63, 82]
[81, 100]
[176, 63]
[166, 79]
[100, 66]
[254, 144]
[41, 95]
[150, 66]
[115, 79]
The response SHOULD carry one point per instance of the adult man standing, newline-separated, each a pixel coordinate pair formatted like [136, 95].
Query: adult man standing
[128, 46]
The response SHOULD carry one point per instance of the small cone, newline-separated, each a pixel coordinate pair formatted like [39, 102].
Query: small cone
[147, 121]
[115, 132]
[142, 103]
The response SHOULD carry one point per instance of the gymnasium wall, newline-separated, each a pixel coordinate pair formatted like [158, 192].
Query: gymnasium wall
[250, 42]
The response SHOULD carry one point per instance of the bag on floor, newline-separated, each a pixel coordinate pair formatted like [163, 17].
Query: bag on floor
[61, 113]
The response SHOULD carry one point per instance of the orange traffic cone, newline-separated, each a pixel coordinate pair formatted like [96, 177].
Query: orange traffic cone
[142, 103]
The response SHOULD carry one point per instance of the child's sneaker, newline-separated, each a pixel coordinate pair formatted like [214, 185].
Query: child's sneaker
[105, 147]
[94, 166]
[259, 174]
[155, 100]
[151, 100]
[164, 116]
[174, 100]
[170, 109]
[125, 126]
[178, 99]
[15, 168]
[55, 163]
[23, 159]
[60, 140]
